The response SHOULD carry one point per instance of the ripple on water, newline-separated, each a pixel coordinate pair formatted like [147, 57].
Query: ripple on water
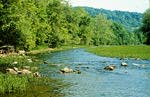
[94, 81]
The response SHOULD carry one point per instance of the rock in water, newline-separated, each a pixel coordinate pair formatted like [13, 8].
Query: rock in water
[124, 64]
[66, 70]
[110, 67]
[139, 65]
[78, 71]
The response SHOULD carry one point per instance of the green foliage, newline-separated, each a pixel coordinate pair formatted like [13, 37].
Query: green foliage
[131, 20]
[103, 34]
[146, 25]
[27, 24]
[85, 31]
[120, 33]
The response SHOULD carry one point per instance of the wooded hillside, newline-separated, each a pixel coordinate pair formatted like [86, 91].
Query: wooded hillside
[130, 20]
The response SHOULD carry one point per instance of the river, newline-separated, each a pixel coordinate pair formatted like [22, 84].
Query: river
[94, 81]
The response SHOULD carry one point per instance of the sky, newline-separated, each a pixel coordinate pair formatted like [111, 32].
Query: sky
[123, 5]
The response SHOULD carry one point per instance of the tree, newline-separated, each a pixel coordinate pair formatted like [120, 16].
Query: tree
[103, 34]
[56, 19]
[85, 32]
[146, 25]
[122, 35]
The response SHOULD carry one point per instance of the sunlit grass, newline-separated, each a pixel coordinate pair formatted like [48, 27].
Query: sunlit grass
[142, 52]
[27, 85]
[12, 83]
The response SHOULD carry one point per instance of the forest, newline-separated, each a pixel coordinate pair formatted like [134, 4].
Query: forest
[26, 24]
[131, 20]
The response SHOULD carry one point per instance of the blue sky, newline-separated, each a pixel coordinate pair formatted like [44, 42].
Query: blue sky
[125, 5]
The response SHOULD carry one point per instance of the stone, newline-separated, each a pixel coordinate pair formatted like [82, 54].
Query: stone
[124, 64]
[78, 71]
[29, 60]
[11, 71]
[26, 67]
[45, 62]
[139, 65]
[36, 74]
[21, 52]
[16, 69]
[24, 71]
[6, 49]
[110, 67]
[66, 70]
[137, 59]
[15, 62]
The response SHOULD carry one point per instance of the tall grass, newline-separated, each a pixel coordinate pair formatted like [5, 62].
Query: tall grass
[12, 83]
[142, 52]
[28, 86]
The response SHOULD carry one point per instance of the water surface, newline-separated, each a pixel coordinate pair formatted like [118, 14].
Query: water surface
[94, 81]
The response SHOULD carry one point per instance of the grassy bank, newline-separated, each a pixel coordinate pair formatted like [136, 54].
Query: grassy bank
[14, 82]
[142, 52]
[11, 83]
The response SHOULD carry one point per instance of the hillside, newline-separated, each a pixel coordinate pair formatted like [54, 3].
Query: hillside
[131, 20]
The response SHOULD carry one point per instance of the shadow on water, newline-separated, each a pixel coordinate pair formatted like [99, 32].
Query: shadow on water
[94, 81]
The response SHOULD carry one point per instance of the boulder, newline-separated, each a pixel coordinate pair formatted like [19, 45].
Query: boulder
[66, 70]
[11, 71]
[24, 71]
[16, 69]
[124, 64]
[110, 67]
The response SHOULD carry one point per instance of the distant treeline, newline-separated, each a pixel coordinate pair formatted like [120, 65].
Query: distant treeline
[131, 20]
[26, 24]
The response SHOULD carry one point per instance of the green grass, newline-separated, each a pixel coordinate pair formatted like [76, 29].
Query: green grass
[12, 83]
[16, 84]
[142, 52]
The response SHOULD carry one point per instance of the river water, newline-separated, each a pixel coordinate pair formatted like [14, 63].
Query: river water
[94, 81]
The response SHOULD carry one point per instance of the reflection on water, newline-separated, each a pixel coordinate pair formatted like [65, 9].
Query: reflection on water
[94, 81]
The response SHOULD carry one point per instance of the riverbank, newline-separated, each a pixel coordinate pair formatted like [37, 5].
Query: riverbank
[137, 52]
[12, 83]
